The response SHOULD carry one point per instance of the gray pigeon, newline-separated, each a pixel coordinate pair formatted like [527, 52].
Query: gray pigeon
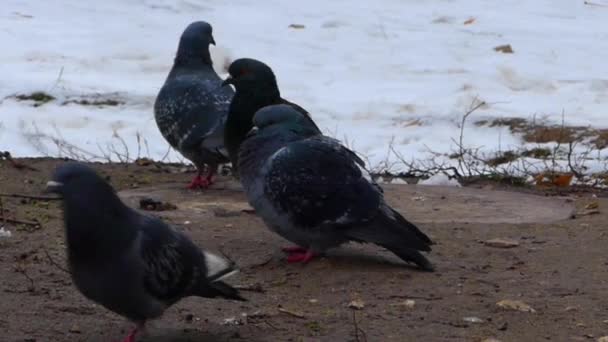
[315, 192]
[256, 87]
[134, 265]
[191, 107]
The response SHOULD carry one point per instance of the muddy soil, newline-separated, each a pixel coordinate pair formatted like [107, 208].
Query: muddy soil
[557, 264]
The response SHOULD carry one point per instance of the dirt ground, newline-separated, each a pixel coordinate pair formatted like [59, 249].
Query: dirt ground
[558, 266]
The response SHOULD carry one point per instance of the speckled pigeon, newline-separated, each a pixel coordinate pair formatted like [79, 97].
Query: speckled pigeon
[315, 192]
[256, 87]
[134, 265]
[191, 107]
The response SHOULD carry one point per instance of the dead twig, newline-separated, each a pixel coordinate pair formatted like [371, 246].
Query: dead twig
[594, 4]
[292, 313]
[17, 165]
[54, 263]
[34, 197]
[358, 330]
[16, 221]
[21, 270]
[255, 287]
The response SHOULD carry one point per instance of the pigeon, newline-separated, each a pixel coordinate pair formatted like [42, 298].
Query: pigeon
[132, 264]
[256, 87]
[192, 106]
[315, 192]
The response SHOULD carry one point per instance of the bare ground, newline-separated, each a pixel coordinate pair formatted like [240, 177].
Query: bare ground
[559, 268]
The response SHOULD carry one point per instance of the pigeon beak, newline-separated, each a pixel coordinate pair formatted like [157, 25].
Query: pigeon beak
[212, 41]
[229, 80]
[52, 186]
[253, 131]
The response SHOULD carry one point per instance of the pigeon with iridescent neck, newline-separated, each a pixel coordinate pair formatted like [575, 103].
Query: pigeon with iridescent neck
[192, 106]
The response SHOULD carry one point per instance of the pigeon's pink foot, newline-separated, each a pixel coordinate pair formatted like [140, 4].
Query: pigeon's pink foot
[301, 257]
[199, 183]
[132, 335]
[294, 249]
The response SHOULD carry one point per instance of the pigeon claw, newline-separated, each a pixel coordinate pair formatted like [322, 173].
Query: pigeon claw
[301, 257]
[132, 335]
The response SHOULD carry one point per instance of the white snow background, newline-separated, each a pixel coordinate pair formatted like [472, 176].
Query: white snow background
[368, 71]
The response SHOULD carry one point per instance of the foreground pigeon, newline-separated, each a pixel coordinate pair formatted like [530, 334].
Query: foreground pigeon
[313, 191]
[191, 107]
[256, 87]
[132, 264]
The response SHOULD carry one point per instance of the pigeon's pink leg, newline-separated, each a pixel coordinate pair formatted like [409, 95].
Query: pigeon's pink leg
[301, 257]
[294, 249]
[134, 332]
[199, 182]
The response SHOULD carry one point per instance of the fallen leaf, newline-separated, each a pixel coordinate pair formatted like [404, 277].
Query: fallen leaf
[501, 243]
[356, 304]
[589, 212]
[469, 21]
[592, 205]
[515, 305]
[504, 48]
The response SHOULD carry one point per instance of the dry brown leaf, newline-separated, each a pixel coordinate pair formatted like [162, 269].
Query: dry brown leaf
[515, 305]
[469, 21]
[592, 205]
[504, 48]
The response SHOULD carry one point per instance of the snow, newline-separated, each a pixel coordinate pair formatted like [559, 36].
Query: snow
[371, 73]
[440, 179]
[5, 233]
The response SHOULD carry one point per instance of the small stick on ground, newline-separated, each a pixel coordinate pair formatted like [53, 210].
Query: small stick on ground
[19, 166]
[16, 221]
[54, 263]
[292, 313]
[34, 197]
[358, 330]
[20, 269]
[256, 287]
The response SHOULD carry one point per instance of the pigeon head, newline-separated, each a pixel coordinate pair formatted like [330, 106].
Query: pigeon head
[72, 179]
[252, 76]
[194, 43]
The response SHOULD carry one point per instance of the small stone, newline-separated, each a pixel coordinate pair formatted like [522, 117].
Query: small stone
[501, 243]
[406, 304]
[232, 321]
[228, 225]
[570, 308]
[356, 304]
[473, 319]
[75, 329]
[515, 305]
[603, 339]
[313, 301]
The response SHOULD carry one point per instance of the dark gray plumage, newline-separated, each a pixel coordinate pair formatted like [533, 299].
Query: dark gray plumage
[315, 192]
[191, 107]
[132, 264]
